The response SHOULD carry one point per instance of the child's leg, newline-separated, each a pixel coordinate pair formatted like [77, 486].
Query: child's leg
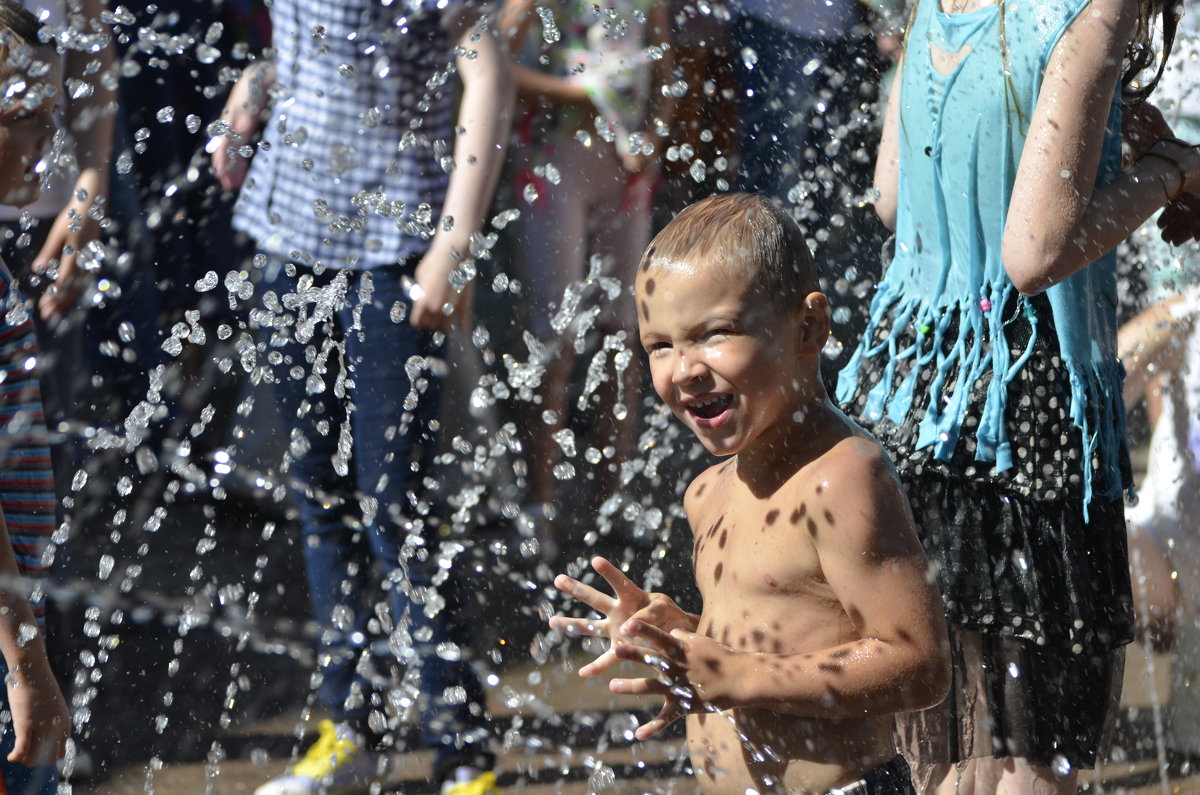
[991, 775]
[983, 737]
[396, 403]
[554, 232]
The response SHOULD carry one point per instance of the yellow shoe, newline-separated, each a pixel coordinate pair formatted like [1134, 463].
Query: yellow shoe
[469, 781]
[336, 761]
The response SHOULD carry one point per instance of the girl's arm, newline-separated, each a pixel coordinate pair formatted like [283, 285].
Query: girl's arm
[887, 164]
[534, 85]
[484, 117]
[1058, 221]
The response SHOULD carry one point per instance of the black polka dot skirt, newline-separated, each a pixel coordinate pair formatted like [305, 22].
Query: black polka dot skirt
[1013, 555]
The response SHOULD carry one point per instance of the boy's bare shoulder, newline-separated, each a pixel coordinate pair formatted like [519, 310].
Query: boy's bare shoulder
[854, 487]
[702, 487]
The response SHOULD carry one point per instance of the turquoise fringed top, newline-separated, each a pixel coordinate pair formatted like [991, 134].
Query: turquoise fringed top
[961, 132]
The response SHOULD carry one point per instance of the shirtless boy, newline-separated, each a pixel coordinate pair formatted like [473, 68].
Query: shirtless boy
[818, 618]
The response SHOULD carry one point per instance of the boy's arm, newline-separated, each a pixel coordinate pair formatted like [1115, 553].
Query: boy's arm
[874, 563]
[39, 712]
[887, 162]
[485, 114]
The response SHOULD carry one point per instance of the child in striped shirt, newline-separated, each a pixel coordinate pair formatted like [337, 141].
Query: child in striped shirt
[30, 80]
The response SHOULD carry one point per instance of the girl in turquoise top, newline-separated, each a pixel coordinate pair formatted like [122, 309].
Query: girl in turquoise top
[989, 367]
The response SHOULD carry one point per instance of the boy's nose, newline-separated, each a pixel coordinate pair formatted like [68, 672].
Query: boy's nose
[687, 369]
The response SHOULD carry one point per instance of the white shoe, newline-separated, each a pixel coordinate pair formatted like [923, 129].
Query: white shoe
[337, 762]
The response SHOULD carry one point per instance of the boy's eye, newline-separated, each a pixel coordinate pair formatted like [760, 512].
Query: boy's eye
[717, 332]
[657, 347]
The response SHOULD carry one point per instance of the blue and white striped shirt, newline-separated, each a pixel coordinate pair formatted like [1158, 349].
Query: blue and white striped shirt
[356, 155]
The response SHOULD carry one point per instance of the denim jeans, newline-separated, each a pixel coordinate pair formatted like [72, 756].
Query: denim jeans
[358, 399]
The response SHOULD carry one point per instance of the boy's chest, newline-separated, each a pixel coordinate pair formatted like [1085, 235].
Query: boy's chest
[760, 555]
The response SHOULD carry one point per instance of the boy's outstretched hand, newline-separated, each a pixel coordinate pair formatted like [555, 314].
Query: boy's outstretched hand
[694, 673]
[628, 602]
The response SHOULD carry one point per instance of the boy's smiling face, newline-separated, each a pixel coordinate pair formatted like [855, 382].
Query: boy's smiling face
[722, 356]
[30, 80]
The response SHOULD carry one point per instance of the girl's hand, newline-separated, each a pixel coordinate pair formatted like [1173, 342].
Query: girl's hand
[1180, 220]
[243, 114]
[629, 602]
[1142, 127]
[39, 715]
[694, 673]
[433, 292]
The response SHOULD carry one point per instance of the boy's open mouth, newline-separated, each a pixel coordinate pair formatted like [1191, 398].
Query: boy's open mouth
[706, 408]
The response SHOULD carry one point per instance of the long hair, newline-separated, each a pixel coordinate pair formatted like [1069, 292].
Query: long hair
[1141, 56]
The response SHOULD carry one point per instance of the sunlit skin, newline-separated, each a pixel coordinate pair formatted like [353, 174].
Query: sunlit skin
[818, 621]
[26, 125]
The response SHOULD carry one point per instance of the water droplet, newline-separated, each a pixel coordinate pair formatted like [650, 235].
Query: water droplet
[208, 282]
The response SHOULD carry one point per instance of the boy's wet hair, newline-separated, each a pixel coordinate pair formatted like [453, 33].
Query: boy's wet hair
[745, 236]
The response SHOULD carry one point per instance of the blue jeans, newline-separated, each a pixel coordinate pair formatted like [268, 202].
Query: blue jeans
[21, 780]
[361, 446]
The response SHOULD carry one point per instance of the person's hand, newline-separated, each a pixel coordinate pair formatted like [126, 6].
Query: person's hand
[693, 673]
[635, 163]
[71, 232]
[242, 114]
[433, 293]
[628, 602]
[40, 718]
[1142, 127]
[1179, 221]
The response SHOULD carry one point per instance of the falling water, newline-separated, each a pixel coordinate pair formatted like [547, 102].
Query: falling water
[184, 616]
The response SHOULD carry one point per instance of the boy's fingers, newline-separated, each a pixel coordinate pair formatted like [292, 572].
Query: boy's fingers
[622, 586]
[638, 687]
[650, 728]
[585, 593]
[577, 626]
[599, 665]
[666, 641]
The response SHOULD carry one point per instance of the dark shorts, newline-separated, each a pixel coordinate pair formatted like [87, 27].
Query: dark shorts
[890, 778]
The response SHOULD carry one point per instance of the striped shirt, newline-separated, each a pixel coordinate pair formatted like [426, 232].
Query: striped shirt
[355, 158]
[26, 478]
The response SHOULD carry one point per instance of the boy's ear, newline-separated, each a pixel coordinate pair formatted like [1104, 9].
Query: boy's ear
[814, 323]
